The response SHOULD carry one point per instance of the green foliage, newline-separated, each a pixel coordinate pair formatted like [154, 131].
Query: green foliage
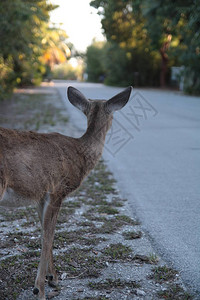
[122, 66]
[179, 19]
[25, 36]
[65, 71]
[116, 64]
[6, 71]
[94, 61]
[189, 16]
[127, 56]
[148, 37]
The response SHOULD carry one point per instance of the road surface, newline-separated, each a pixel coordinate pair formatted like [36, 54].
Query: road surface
[153, 150]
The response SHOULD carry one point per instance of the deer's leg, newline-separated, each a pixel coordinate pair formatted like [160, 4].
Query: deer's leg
[51, 273]
[2, 184]
[49, 218]
[1, 191]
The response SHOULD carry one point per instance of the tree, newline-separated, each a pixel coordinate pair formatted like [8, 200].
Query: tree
[116, 64]
[55, 48]
[170, 29]
[159, 30]
[94, 59]
[176, 23]
[188, 15]
[25, 36]
[131, 60]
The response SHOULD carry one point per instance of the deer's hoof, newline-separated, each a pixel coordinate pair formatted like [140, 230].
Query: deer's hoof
[35, 291]
[50, 277]
[52, 282]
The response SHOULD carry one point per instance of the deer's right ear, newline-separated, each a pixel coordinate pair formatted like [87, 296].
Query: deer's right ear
[78, 99]
[118, 101]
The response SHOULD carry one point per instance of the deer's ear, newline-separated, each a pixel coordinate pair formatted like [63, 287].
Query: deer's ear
[118, 101]
[78, 99]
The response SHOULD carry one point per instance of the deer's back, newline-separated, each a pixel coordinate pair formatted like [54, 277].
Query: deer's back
[35, 163]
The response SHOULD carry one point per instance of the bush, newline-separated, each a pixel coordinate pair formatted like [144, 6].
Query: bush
[116, 63]
[65, 71]
[94, 60]
[191, 81]
[122, 66]
[6, 78]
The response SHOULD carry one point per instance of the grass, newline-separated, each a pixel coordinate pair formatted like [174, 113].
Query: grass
[132, 235]
[117, 251]
[13, 214]
[114, 224]
[21, 238]
[78, 262]
[93, 298]
[110, 225]
[103, 209]
[174, 292]
[110, 283]
[17, 272]
[33, 112]
[81, 237]
[153, 258]
[144, 259]
[163, 273]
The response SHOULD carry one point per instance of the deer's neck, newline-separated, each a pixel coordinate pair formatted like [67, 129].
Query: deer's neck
[93, 140]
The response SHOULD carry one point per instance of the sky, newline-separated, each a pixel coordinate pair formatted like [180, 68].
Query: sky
[80, 21]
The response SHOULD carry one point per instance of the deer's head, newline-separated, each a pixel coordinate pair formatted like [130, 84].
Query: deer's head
[99, 111]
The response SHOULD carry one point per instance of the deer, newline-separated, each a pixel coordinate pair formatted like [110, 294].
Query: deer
[46, 167]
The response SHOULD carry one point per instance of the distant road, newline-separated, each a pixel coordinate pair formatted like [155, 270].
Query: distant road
[154, 152]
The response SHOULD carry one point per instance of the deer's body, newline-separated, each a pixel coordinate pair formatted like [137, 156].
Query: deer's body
[33, 164]
[47, 167]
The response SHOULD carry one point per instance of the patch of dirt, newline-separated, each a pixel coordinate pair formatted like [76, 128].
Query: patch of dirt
[100, 250]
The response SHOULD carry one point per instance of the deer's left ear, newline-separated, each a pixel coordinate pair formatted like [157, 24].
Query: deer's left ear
[118, 101]
[78, 99]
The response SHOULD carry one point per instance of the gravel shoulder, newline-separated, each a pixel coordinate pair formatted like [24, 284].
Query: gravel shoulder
[101, 250]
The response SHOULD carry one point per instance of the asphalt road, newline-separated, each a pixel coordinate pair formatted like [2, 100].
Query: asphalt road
[153, 150]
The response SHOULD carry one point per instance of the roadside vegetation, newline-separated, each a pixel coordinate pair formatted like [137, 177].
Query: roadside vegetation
[144, 40]
[30, 45]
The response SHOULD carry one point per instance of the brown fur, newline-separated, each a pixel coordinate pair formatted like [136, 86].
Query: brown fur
[47, 167]
[37, 163]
